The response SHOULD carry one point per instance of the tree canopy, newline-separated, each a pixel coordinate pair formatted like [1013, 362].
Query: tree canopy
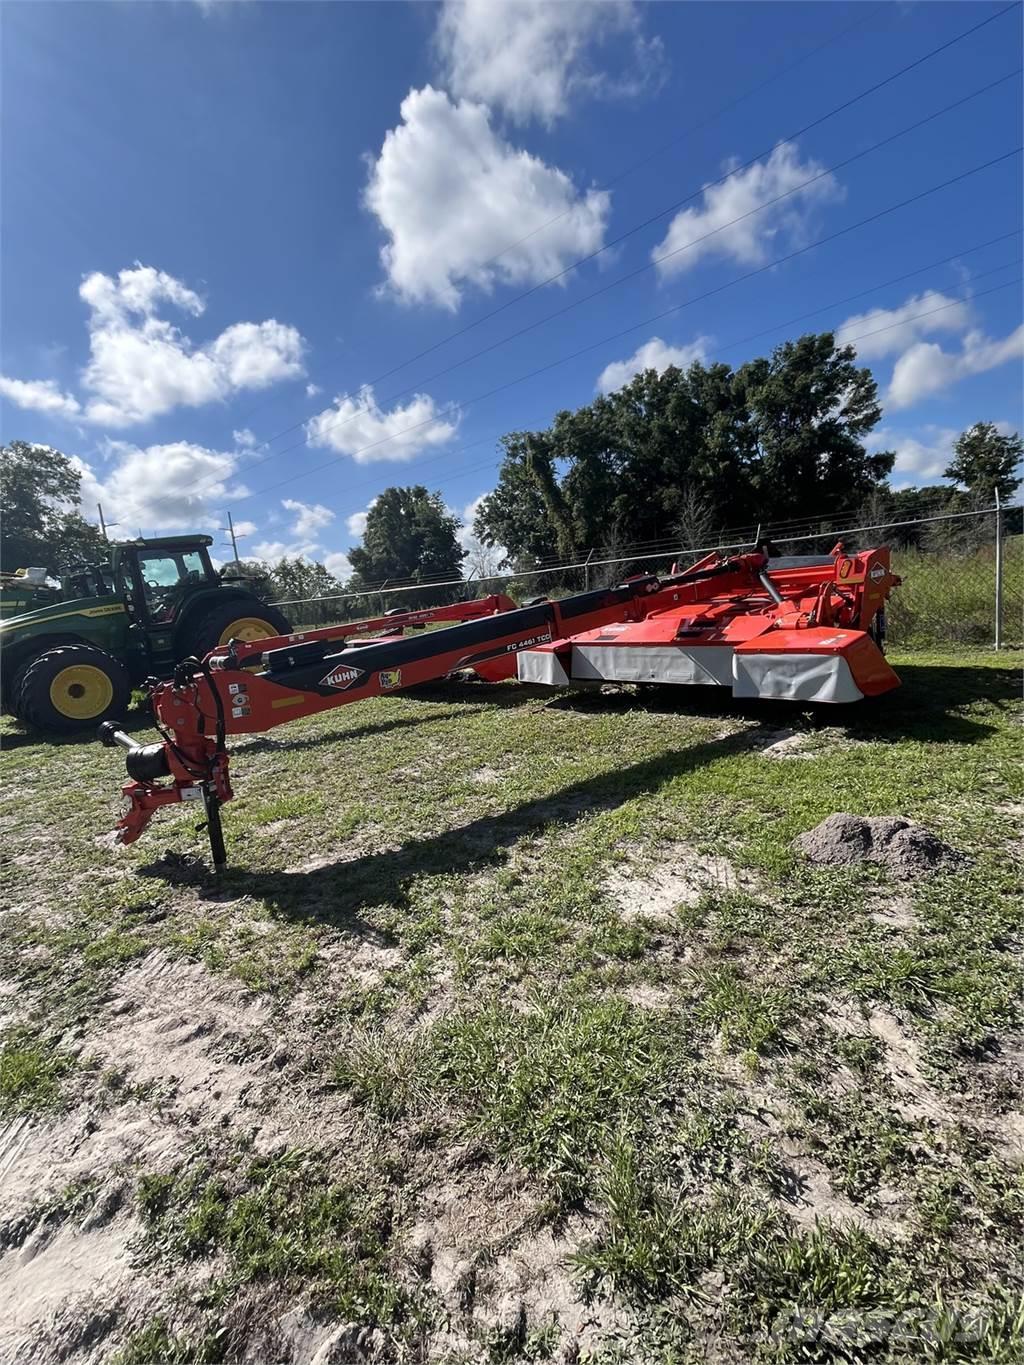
[986, 462]
[673, 452]
[410, 536]
[40, 490]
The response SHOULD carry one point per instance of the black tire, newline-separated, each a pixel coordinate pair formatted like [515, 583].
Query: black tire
[54, 699]
[12, 690]
[205, 632]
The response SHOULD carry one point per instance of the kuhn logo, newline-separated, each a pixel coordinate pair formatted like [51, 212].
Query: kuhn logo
[877, 572]
[342, 677]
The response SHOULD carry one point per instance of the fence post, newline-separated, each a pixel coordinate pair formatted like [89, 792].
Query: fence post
[586, 572]
[999, 572]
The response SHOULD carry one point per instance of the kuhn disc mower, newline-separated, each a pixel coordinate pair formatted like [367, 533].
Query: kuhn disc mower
[804, 628]
[807, 630]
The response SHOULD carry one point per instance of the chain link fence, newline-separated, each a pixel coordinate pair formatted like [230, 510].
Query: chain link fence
[963, 577]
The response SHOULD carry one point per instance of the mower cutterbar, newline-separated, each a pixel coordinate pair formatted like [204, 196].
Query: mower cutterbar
[799, 621]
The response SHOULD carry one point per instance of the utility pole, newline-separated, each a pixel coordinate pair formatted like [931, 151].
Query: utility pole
[230, 528]
[104, 524]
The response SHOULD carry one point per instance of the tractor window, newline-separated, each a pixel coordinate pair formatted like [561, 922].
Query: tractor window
[165, 577]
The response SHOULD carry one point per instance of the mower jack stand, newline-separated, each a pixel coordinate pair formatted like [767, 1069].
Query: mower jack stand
[215, 830]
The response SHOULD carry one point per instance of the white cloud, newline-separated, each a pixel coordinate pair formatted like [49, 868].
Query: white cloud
[919, 459]
[742, 196]
[39, 395]
[161, 487]
[308, 518]
[244, 438]
[338, 565]
[902, 326]
[652, 355]
[529, 57]
[356, 523]
[142, 366]
[271, 551]
[925, 368]
[482, 561]
[244, 528]
[451, 194]
[312, 390]
[360, 427]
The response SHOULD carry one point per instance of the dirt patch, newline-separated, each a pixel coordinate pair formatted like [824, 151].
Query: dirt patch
[896, 912]
[486, 776]
[782, 744]
[67, 1278]
[481, 1250]
[906, 849]
[680, 877]
[175, 1026]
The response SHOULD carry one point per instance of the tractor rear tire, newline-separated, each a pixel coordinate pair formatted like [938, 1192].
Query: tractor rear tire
[72, 687]
[237, 620]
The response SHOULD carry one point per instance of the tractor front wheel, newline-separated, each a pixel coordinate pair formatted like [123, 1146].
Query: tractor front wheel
[72, 687]
[238, 620]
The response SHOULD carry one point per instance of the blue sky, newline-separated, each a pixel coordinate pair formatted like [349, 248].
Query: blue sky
[223, 221]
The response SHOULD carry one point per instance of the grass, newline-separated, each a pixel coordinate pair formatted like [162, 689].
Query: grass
[770, 1117]
[31, 1072]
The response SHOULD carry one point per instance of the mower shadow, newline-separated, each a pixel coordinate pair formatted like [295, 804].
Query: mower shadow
[336, 892]
[138, 718]
[258, 744]
[926, 706]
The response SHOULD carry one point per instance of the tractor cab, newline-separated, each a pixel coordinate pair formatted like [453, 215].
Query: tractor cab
[156, 577]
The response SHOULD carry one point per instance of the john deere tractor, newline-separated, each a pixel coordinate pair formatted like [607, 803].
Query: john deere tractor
[72, 663]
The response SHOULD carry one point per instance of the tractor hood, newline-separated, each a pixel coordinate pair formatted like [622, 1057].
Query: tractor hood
[56, 612]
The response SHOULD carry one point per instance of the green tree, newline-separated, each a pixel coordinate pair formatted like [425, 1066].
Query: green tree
[295, 579]
[986, 462]
[809, 411]
[688, 452]
[410, 536]
[298, 580]
[516, 514]
[41, 525]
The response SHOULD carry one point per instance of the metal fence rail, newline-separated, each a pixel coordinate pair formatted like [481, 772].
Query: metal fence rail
[963, 577]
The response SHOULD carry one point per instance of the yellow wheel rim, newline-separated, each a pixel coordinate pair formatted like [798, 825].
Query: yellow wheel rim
[81, 692]
[247, 628]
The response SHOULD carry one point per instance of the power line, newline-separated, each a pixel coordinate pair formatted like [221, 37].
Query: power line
[351, 417]
[694, 128]
[901, 323]
[675, 206]
[659, 260]
[633, 167]
[646, 322]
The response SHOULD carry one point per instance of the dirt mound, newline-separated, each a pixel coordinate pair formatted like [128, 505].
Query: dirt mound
[906, 849]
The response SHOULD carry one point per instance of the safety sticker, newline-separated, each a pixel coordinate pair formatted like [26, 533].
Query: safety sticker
[391, 679]
[342, 677]
[877, 572]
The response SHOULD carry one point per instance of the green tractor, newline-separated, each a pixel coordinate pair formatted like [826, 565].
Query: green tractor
[73, 663]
